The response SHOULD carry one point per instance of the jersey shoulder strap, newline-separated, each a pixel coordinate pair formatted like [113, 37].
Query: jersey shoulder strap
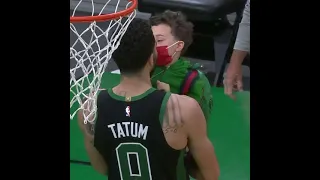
[163, 107]
[189, 79]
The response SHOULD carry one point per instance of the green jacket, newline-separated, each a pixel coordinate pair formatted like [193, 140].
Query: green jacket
[175, 75]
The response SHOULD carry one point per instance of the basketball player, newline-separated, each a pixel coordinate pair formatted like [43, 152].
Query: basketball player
[140, 133]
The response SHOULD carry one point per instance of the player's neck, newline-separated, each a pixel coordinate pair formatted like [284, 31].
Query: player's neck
[135, 83]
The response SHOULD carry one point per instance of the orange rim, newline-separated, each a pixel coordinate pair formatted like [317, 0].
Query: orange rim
[105, 17]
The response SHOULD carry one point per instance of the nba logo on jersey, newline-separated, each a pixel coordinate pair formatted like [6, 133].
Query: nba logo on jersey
[128, 111]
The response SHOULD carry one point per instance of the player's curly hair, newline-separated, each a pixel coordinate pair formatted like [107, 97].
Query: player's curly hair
[182, 29]
[136, 46]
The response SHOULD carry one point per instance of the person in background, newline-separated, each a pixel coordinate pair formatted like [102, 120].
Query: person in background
[173, 34]
[233, 77]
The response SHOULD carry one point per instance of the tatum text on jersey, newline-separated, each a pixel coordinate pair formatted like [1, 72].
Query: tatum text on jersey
[125, 129]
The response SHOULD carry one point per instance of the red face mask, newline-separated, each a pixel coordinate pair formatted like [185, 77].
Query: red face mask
[163, 55]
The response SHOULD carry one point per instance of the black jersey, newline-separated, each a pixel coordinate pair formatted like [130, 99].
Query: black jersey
[129, 136]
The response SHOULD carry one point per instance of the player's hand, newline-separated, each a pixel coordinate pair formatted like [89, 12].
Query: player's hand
[163, 86]
[233, 80]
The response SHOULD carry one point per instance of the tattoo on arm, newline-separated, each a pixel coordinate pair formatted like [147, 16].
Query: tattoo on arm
[90, 128]
[172, 118]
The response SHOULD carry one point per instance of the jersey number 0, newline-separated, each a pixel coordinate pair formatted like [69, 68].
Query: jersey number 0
[123, 151]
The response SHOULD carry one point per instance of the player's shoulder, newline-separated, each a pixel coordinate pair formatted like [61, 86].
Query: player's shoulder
[187, 104]
[101, 94]
[188, 107]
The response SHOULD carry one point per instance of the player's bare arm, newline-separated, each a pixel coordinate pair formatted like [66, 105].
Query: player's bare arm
[95, 157]
[172, 124]
[184, 125]
[198, 142]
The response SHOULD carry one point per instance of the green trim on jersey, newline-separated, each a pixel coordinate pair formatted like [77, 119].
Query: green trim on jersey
[163, 107]
[134, 98]
[181, 170]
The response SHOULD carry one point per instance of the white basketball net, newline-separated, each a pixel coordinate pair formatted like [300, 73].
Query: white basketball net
[90, 52]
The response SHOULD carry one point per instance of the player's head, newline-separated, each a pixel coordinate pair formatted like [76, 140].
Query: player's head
[136, 53]
[173, 34]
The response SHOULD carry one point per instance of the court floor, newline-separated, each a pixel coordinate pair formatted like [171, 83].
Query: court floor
[228, 129]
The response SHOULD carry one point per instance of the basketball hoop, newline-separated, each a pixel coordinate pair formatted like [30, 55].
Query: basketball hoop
[92, 50]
